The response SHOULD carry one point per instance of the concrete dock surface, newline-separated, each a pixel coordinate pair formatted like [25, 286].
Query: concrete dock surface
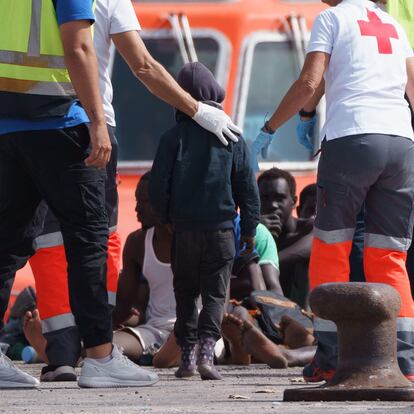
[247, 390]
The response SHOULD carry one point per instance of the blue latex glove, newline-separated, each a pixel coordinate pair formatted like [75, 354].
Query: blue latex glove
[305, 132]
[265, 148]
[260, 146]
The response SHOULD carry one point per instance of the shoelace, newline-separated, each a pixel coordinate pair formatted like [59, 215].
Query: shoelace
[125, 360]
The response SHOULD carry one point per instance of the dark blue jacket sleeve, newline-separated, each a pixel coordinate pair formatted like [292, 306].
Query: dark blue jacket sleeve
[245, 191]
[161, 175]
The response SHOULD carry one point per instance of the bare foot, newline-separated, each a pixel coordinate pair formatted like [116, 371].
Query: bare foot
[295, 335]
[32, 329]
[299, 357]
[231, 329]
[242, 313]
[261, 348]
[169, 355]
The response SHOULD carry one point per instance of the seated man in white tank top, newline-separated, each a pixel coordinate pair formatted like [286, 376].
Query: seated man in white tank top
[145, 310]
[145, 283]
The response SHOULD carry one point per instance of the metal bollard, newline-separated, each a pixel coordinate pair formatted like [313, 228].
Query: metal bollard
[365, 315]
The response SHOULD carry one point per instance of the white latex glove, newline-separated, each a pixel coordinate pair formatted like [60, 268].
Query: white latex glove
[216, 121]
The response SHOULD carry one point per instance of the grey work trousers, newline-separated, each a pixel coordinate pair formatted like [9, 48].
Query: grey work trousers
[377, 170]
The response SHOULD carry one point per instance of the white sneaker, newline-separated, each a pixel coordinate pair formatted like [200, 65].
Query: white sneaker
[13, 377]
[118, 372]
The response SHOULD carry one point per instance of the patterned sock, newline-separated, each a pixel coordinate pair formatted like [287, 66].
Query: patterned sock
[205, 360]
[188, 361]
[206, 352]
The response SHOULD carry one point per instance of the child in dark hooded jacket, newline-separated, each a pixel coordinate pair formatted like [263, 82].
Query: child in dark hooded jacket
[197, 184]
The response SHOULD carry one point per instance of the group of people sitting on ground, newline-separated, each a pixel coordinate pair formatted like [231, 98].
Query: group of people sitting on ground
[145, 313]
[190, 272]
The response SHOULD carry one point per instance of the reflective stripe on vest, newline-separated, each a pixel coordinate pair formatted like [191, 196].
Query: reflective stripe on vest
[32, 61]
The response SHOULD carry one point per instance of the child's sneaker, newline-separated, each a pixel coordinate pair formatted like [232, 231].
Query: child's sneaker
[187, 367]
[118, 372]
[13, 377]
[205, 360]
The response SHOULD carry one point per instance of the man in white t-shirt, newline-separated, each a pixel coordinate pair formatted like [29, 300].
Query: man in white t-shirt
[367, 156]
[116, 21]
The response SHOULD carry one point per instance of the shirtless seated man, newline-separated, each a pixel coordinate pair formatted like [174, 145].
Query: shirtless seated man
[293, 236]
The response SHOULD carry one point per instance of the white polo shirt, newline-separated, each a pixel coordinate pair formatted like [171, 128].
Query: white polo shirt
[112, 17]
[366, 78]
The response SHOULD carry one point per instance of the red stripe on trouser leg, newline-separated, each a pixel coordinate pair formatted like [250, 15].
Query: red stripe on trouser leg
[114, 261]
[329, 262]
[50, 273]
[388, 266]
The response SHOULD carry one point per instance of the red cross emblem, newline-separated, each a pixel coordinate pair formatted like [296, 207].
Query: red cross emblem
[382, 31]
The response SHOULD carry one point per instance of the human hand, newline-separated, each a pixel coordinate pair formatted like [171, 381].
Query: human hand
[218, 122]
[272, 222]
[101, 146]
[260, 146]
[121, 316]
[266, 144]
[247, 242]
[305, 132]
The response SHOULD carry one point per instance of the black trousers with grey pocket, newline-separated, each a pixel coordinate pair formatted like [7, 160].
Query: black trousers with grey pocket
[201, 262]
[49, 165]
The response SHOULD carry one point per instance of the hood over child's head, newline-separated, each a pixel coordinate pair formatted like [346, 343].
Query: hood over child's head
[199, 82]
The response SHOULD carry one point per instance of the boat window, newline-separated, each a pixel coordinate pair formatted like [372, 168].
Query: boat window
[270, 68]
[142, 118]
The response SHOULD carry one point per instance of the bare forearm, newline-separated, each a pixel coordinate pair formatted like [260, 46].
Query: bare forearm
[298, 251]
[161, 84]
[82, 65]
[128, 286]
[303, 90]
[294, 100]
[271, 278]
[314, 100]
[153, 75]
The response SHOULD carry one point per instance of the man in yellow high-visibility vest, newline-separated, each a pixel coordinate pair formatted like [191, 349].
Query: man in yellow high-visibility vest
[49, 92]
